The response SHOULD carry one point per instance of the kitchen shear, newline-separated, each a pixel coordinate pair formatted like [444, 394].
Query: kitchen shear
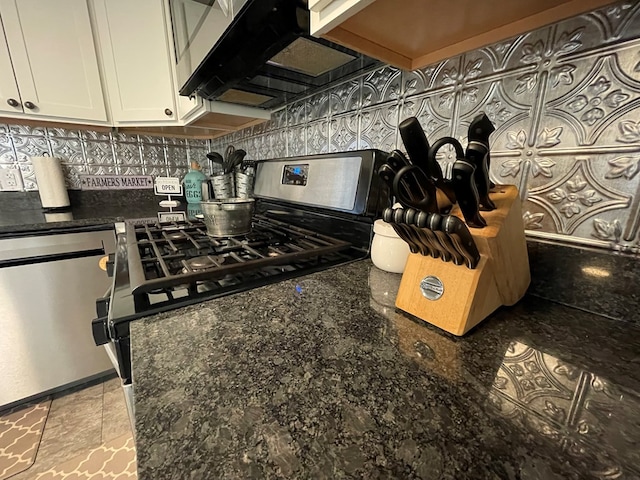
[410, 187]
[463, 182]
[438, 177]
[441, 142]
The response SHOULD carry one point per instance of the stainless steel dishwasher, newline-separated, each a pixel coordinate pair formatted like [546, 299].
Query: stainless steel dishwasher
[48, 287]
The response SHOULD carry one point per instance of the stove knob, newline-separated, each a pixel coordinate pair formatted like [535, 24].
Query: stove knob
[110, 264]
[102, 306]
[99, 330]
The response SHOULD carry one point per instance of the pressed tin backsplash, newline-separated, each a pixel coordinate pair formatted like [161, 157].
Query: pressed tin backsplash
[97, 153]
[565, 100]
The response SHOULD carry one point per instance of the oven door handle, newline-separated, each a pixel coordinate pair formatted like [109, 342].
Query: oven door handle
[54, 257]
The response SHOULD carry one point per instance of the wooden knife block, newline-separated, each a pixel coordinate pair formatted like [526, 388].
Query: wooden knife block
[469, 296]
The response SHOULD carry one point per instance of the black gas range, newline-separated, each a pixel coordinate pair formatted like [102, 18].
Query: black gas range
[312, 213]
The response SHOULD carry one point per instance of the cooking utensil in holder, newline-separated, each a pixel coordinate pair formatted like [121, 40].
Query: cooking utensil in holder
[223, 185]
[244, 185]
[456, 298]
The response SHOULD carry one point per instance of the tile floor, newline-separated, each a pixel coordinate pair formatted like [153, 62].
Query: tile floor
[21, 430]
[80, 421]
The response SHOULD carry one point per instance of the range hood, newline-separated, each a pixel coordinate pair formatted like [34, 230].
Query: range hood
[265, 57]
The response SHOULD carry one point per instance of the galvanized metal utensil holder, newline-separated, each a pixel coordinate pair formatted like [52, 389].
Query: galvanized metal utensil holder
[456, 298]
[223, 186]
[244, 185]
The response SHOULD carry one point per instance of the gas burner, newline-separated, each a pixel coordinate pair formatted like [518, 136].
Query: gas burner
[176, 236]
[200, 264]
[186, 256]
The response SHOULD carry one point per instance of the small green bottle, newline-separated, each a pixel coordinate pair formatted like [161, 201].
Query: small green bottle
[193, 183]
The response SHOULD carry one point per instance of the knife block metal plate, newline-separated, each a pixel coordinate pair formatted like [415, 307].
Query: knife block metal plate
[469, 296]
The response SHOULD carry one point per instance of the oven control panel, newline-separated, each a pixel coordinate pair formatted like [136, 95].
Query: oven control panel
[295, 174]
[316, 180]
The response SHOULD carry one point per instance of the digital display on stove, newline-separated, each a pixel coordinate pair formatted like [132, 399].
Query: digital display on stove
[295, 174]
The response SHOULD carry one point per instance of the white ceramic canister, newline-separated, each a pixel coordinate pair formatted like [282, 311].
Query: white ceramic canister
[388, 251]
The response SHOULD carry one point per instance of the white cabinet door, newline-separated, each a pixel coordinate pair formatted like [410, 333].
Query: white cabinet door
[137, 64]
[190, 108]
[9, 95]
[54, 58]
[328, 14]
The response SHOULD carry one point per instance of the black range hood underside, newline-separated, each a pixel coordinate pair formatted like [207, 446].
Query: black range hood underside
[241, 67]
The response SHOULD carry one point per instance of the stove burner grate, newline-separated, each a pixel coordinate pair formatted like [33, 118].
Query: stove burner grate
[164, 255]
[202, 263]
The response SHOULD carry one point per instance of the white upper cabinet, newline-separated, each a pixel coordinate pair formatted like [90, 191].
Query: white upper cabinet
[54, 59]
[190, 108]
[9, 95]
[327, 14]
[137, 61]
[104, 62]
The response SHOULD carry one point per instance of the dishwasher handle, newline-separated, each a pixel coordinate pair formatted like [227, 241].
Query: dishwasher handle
[54, 257]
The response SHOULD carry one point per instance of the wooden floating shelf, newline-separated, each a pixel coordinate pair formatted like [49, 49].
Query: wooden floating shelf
[412, 34]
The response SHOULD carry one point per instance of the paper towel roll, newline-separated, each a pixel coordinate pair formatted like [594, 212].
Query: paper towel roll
[53, 192]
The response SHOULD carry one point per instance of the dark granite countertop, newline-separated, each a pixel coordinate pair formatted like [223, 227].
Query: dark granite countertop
[320, 377]
[34, 221]
[21, 213]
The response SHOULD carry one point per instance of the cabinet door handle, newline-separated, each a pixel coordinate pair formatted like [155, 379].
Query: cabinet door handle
[168, 112]
[13, 102]
[30, 105]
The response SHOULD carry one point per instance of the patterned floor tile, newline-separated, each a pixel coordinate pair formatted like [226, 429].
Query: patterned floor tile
[114, 460]
[20, 434]
[74, 426]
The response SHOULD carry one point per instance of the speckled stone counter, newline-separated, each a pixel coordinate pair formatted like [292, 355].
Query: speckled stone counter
[320, 377]
[21, 213]
[599, 281]
[30, 222]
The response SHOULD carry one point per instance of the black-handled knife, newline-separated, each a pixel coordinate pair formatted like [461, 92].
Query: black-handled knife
[387, 216]
[479, 130]
[427, 248]
[417, 145]
[434, 223]
[427, 237]
[462, 239]
[422, 222]
[477, 156]
[467, 193]
[398, 219]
